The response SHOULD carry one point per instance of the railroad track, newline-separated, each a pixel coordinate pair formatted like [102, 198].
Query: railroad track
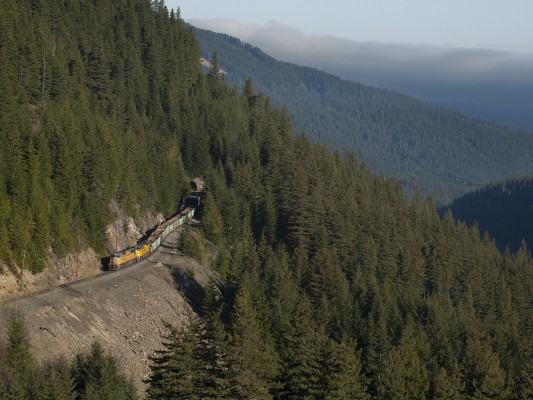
[151, 259]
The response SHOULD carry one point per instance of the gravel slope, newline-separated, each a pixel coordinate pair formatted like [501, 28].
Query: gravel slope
[123, 310]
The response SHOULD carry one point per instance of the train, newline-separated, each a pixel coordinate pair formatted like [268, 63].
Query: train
[143, 249]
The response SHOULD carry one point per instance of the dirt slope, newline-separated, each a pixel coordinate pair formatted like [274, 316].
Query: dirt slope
[123, 310]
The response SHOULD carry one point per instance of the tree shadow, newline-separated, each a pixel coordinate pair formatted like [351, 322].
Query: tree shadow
[193, 292]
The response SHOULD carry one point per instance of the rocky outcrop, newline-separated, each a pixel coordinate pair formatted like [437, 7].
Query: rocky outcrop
[122, 232]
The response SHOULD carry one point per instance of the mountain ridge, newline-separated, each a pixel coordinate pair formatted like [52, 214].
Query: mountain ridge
[427, 148]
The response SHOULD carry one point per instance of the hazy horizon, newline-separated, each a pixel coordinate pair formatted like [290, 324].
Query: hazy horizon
[489, 83]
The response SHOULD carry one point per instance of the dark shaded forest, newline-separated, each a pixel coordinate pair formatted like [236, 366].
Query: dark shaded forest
[504, 209]
[426, 148]
[334, 285]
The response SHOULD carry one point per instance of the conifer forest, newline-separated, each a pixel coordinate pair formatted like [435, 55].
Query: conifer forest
[333, 285]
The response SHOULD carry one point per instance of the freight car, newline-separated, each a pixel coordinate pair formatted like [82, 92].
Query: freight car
[143, 249]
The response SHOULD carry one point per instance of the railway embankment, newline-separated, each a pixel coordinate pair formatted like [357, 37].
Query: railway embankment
[123, 310]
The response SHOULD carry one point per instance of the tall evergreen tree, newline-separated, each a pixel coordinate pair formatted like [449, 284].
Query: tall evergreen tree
[212, 370]
[172, 369]
[96, 376]
[58, 383]
[344, 377]
[302, 373]
[253, 360]
[484, 378]
[524, 380]
[19, 361]
[405, 374]
[448, 385]
[211, 219]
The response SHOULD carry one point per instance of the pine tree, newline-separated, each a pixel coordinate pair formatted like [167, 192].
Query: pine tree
[58, 384]
[344, 377]
[211, 361]
[448, 385]
[524, 379]
[214, 77]
[253, 361]
[211, 220]
[189, 245]
[96, 377]
[302, 373]
[377, 349]
[283, 295]
[405, 375]
[249, 92]
[265, 217]
[19, 362]
[484, 378]
[172, 369]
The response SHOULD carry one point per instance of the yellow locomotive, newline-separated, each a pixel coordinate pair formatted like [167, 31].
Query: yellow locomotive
[145, 248]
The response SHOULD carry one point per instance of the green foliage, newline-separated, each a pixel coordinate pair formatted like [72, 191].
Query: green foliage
[323, 254]
[302, 371]
[212, 372]
[87, 116]
[344, 377]
[96, 376]
[173, 368]
[254, 361]
[524, 380]
[484, 378]
[426, 148]
[90, 376]
[448, 384]
[211, 220]
[20, 366]
[221, 264]
[405, 375]
[58, 384]
[189, 245]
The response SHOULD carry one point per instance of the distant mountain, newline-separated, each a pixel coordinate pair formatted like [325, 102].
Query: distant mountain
[504, 209]
[506, 104]
[433, 149]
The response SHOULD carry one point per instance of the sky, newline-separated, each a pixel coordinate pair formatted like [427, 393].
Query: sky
[464, 54]
[492, 24]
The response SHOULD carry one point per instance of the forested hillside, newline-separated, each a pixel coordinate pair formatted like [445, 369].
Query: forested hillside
[432, 149]
[95, 98]
[504, 209]
[333, 285]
